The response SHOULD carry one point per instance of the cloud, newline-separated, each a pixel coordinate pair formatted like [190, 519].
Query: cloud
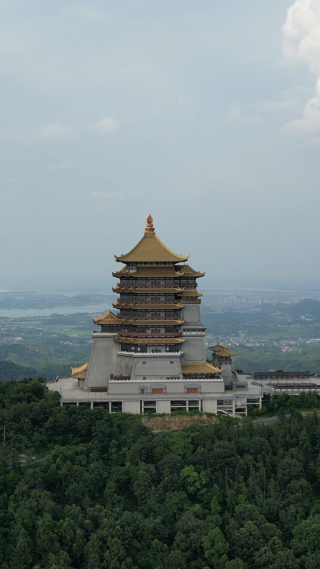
[237, 114]
[4, 156]
[309, 123]
[291, 100]
[54, 131]
[116, 195]
[301, 44]
[88, 13]
[61, 166]
[107, 124]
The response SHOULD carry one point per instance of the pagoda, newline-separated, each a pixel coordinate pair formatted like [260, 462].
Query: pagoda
[153, 340]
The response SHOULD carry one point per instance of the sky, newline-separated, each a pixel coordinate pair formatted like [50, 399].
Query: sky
[205, 114]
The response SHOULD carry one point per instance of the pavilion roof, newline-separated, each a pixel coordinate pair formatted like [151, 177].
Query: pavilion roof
[221, 350]
[107, 318]
[188, 271]
[199, 368]
[190, 292]
[150, 249]
[79, 372]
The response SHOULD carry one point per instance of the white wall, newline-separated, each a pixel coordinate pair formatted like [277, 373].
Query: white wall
[163, 407]
[210, 406]
[131, 407]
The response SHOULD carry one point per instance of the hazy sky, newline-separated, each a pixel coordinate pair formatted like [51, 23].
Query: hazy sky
[204, 113]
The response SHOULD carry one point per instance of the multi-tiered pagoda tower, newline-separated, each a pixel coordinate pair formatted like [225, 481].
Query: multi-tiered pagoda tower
[153, 344]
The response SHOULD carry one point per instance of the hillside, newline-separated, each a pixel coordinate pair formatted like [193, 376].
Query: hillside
[85, 489]
[252, 359]
[10, 371]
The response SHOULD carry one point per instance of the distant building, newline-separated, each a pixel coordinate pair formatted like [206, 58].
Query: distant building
[281, 375]
[149, 355]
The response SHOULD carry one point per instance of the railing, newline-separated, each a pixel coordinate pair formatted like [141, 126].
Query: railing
[151, 318]
[149, 355]
[151, 335]
[154, 301]
[161, 285]
[194, 333]
[165, 379]
[120, 377]
[105, 333]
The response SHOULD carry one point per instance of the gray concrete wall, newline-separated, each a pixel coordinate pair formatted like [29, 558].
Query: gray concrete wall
[131, 407]
[102, 362]
[163, 407]
[175, 388]
[226, 373]
[156, 368]
[191, 314]
[210, 405]
[193, 350]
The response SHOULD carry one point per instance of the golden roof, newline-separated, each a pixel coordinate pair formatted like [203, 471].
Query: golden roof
[147, 306]
[153, 290]
[187, 292]
[199, 368]
[222, 351]
[107, 318]
[124, 340]
[79, 372]
[150, 249]
[152, 322]
[188, 271]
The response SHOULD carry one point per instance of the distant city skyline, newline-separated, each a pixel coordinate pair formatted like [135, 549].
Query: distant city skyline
[205, 115]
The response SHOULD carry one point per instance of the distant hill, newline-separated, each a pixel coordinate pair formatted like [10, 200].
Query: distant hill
[304, 307]
[252, 359]
[9, 371]
[294, 309]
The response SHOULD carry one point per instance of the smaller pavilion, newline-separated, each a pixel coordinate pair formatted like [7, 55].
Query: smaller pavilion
[222, 358]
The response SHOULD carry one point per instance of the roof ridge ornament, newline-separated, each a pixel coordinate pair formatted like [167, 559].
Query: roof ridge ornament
[149, 227]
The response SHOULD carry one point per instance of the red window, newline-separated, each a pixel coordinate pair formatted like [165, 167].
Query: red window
[192, 390]
[157, 391]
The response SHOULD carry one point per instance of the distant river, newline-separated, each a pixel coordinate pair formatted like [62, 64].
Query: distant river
[20, 313]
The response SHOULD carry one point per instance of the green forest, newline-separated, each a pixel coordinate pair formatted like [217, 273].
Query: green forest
[85, 489]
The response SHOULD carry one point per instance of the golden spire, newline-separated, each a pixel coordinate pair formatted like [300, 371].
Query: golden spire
[149, 227]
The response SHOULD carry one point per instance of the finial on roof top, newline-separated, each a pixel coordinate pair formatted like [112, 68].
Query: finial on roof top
[149, 227]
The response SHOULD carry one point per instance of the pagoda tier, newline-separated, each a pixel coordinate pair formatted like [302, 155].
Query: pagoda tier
[153, 322]
[137, 290]
[150, 272]
[150, 306]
